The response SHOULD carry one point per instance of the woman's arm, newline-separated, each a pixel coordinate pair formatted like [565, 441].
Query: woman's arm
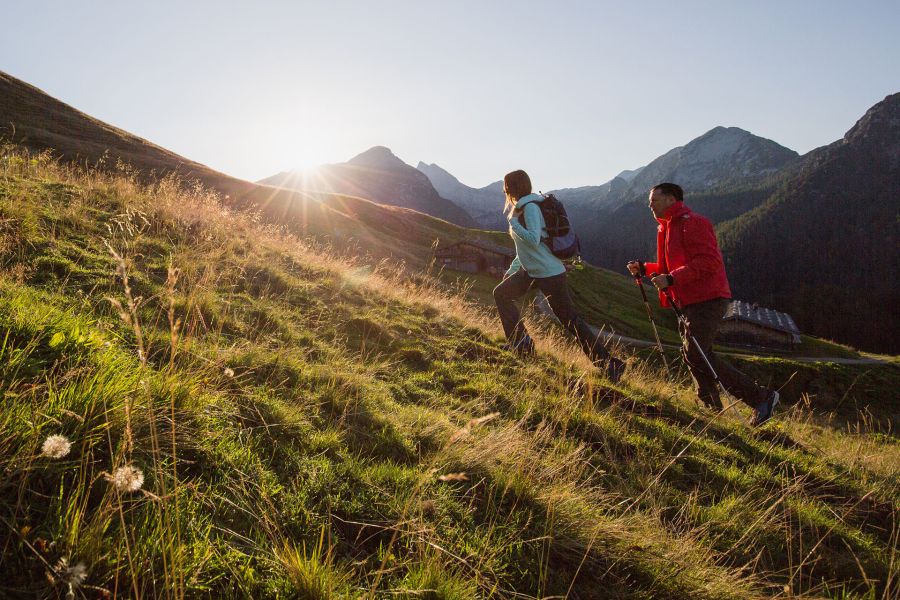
[515, 266]
[531, 233]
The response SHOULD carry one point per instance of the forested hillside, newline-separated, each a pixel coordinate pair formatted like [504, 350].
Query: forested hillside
[824, 246]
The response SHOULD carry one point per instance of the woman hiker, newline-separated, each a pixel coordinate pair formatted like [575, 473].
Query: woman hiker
[535, 265]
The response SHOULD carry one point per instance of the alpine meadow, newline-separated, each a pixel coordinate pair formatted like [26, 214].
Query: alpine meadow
[201, 403]
[317, 385]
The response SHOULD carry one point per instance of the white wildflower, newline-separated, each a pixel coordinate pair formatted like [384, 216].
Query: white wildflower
[126, 479]
[229, 372]
[454, 477]
[72, 575]
[56, 446]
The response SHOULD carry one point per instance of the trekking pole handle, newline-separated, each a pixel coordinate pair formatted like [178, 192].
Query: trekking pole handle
[637, 280]
[665, 289]
[669, 297]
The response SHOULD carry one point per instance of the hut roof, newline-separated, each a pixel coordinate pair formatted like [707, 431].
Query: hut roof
[739, 310]
[495, 249]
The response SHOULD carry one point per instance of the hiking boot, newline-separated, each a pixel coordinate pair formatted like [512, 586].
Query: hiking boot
[524, 347]
[713, 403]
[764, 410]
[614, 369]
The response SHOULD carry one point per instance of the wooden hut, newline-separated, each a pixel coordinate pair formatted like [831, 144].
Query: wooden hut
[475, 257]
[753, 325]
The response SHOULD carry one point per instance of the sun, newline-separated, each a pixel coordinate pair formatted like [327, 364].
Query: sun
[306, 162]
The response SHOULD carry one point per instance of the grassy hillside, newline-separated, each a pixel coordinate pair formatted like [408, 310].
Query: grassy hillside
[36, 121]
[312, 426]
[347, 223]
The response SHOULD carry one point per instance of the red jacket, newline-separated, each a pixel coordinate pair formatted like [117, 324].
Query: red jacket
[686, 249]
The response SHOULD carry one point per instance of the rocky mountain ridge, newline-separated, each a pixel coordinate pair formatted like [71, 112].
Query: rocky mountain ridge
[824, 245]
[380, 176]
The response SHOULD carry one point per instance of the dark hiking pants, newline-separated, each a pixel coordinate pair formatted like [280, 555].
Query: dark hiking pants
[703, 320]
[557, 292]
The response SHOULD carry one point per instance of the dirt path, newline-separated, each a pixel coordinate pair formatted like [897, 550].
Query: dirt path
[543, 306]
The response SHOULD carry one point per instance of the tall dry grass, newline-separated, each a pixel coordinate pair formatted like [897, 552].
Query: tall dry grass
[529, 458]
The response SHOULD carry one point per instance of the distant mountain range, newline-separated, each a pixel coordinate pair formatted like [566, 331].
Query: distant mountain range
[485, 205]
[724, 172]
[723, 156]
[817, 236]
[376, 175]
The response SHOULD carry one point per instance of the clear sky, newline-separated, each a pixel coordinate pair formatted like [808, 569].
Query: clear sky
[573, 92]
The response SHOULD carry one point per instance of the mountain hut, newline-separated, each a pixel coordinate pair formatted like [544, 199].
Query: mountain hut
[475, 257]
[749, 324]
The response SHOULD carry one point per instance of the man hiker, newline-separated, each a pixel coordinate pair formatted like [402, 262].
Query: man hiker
[689, 266]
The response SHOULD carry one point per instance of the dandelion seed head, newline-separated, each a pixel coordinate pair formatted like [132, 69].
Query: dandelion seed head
[73, 575]
[56, 446]
[483, 420]
[229, 372]
[454, 477]
[460, 434]
[127, 479]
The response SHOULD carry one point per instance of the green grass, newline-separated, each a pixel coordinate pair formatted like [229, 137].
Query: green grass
[310, 426]
[811, 346]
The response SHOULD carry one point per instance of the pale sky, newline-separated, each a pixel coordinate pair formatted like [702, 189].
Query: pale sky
[572, 92]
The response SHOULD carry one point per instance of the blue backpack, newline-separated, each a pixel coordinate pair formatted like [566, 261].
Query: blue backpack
[563, 242]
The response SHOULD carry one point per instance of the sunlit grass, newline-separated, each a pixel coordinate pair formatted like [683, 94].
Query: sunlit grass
[310, 424]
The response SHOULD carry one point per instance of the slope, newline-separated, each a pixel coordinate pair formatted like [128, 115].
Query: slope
[39, 122]
[349, 224]
[824, 246]
[309, 427]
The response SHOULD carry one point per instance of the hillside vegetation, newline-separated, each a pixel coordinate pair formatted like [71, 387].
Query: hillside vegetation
[249, 414]
[819, 247]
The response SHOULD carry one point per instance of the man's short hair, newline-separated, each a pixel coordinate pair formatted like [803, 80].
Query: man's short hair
[669, 189]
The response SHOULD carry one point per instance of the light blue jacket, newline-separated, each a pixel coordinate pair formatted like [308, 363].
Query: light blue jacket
[531, 254]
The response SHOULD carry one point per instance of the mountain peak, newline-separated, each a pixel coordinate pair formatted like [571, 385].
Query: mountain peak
[629, 174]
[436, 173]
[433, 168]
[724, 137]
[719, 130]
[378, 157]
[881, 121]
[724, 144]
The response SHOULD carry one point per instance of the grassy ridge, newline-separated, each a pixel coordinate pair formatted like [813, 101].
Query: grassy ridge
[313, 426]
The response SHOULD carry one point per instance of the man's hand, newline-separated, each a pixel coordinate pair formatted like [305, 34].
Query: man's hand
[635, 268]
[662, 281]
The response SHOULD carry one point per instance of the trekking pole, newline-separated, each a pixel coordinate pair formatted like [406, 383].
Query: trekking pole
[684, 322]
[637, 280]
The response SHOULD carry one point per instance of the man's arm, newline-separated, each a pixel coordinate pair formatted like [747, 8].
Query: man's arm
[641, 268]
